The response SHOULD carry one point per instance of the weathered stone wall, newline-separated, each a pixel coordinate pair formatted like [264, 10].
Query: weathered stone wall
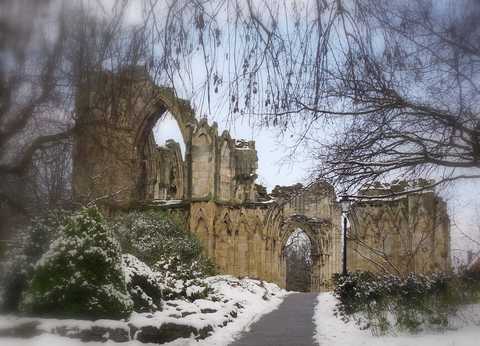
[226, 168]
[243, 229]
[115, 117]
[250, 239]
[204, 141]
[409, 233]
[243, 240]
[117, 162]
[317, 213]
[316, 201]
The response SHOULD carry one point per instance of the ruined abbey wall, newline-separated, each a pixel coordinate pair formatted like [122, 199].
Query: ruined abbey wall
[315, 210]
[116, 158]
[118, 165]
[249, 239]
[408, 233]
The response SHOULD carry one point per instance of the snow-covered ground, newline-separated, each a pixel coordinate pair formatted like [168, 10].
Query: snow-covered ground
[240, 302]
[332, 331]
[55, 340]
[257, 299]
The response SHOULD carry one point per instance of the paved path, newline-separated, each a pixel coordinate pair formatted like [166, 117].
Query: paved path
[290, 325]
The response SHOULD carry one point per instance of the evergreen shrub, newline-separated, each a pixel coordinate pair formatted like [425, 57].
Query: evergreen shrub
[175, 255]
[80, 276]
[25, 250]
[143, 284]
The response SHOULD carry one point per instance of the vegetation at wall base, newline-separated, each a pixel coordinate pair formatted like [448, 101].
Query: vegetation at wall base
[388, 303]
[175, 255]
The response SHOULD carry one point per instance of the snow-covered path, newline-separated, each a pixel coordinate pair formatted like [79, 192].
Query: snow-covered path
[291, 324]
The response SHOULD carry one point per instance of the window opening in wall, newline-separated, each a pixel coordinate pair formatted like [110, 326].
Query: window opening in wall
[165, 160]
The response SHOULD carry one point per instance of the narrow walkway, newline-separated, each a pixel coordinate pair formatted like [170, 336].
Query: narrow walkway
[290, 325]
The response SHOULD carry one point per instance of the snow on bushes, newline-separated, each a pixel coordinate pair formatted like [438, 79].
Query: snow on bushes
[143, 284]
[81, 273]
[28, 246]
[153, 236]
[332, 331]
[181, 279]
[173, 253]
[231, 305]
[163, 262]
[387, 303]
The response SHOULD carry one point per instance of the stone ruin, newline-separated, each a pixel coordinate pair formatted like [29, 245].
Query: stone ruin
[243, 228]
[408, 233]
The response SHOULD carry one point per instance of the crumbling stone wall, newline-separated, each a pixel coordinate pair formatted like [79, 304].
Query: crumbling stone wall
[316, 201]
[112, 143]
[116, 161]
[249, 240]
[243, 229]
[314, 210]
[407, 233]
[243, 239]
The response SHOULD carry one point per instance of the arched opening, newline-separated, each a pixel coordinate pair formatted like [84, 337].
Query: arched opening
[167, 129]
[298, 257]
[164, 160]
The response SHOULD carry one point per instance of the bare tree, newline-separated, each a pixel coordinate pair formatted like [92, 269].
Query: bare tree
[49, 49]
[29, 56]
[395, 82]
[468, 242]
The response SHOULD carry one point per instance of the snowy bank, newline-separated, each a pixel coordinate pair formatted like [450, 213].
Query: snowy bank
[332, 331]
[233, 306]
[257, 297]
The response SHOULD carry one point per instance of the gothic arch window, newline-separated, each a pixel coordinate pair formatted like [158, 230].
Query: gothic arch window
[163, 160]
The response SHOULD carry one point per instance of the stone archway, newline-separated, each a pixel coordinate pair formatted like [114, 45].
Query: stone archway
[298, 261]
[115, 117]
[322, 247]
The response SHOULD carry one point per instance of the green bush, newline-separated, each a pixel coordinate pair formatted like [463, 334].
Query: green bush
[27, 247]
[157, 236]
[387, 303]
[180, 279]
[80, 276]
[143, 284]
[166, 247]
[77, 274]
